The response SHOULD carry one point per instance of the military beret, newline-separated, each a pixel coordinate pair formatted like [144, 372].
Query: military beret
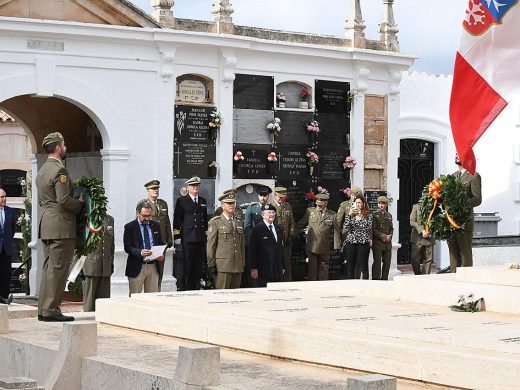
[382, 199]
[52, 138]
[280, 190]
[356, 191]
[228, 198]
[264, 190]
[153, 184]
[194, 181]
[230, 191]
[267, 207]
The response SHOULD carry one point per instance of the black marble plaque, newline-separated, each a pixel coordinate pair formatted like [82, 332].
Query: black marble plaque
[293, 162]
[331, 162]
[293, 130]
[335, 128]
[10, 181]
[371, 197]
[253, 92]
[190, 159]
[192, 124]
[254, 165]
[331, 96]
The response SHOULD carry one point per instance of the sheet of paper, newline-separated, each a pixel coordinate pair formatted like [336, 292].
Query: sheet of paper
[76, 269]
[157, 250]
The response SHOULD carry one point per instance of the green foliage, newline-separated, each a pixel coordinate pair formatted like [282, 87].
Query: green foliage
[95, 211]
[454, 200]
[76, 289]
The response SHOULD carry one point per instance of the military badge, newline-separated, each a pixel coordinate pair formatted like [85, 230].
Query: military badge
[62, 178]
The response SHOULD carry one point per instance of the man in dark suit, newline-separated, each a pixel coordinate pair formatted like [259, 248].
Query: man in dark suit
[190, 222]
[7, 227]
[266, 255]
[139, 237]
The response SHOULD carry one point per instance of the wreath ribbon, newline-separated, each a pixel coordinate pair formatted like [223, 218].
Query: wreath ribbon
[434, 189]
[91, 227]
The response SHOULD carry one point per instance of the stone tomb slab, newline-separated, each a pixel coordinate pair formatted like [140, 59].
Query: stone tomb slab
[504, 276]
[332, 324]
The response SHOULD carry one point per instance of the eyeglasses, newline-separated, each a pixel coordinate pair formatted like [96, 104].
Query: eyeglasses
[3, 196]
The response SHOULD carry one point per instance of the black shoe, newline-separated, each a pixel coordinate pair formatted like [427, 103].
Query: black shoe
[39, 317]
[5, 301]
[58, 318]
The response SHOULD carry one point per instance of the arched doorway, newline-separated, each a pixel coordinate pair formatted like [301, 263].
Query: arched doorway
[415, 170]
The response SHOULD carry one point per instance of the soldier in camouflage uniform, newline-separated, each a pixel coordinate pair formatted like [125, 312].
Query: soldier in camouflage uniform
[285, 218]
[323, 235]
[161, 216]
[382, 231]
[226, 245]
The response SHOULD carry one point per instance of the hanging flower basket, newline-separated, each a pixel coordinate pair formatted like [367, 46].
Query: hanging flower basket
[214, 125]
[312, 161]
[238, 157]
[274, 127]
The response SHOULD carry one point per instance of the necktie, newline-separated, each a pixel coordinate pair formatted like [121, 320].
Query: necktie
[195, 200]
[272, 232]
[2, 218]
[147, 244]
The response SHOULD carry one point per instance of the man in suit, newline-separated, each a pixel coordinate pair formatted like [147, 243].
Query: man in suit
[382, 231]
[265, 252]
[421, 242]
[139, 237]
[254, 211]
[190, 223]
[160, 215]
[226, 245]
[57, 228]
[7, 229]
[285, 219]
[98, 268]
[323, 235]
[461, 254]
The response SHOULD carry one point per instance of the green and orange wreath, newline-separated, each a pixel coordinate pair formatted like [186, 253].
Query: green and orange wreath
[89, 226]
[444, 208]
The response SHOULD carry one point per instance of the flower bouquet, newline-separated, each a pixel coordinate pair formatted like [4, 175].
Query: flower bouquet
[313, 128]
[468, 304]
[304, 95]
[214, 124]
[281, 98]
[348, 164]
[312, 161]
[274, 128]
[271, 159]
[238, 157]
[212, 169]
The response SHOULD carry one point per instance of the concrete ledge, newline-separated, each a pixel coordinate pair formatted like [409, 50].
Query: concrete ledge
[198, 364]
[372, 382]
[19, 383]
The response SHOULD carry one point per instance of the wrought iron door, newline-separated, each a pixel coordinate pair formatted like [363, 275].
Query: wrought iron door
[415, 170]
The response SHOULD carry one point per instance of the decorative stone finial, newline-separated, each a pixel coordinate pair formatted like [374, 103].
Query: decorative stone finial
[222, 11]
[388, 29]
[162, 12]
[354, 27]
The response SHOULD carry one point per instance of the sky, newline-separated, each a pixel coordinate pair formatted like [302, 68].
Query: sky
[428, 29]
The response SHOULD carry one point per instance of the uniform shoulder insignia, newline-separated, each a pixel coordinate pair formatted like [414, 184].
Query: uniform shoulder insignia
[210, 228]
[62, 178]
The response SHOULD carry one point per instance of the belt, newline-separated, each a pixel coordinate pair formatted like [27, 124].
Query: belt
[149, 262]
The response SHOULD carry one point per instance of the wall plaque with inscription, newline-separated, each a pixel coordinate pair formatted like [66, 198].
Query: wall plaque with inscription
[293, 131]
[331, 96]
[292, 162]
[192, 124]
[371, 197]
[254, 165]
[190, 158]
[192, 91]
[331, 161]
[10, 181]
[253, 92]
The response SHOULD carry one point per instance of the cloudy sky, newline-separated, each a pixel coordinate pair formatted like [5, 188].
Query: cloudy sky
[429, 29]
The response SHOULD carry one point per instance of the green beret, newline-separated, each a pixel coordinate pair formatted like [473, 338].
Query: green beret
[382, 199]
[153, 184]
[52, 138]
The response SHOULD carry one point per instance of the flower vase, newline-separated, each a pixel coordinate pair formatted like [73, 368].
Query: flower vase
[212, 171]
[270, 168]
[311, 170]
[212, 134]
[303, 105]
[281, 104]
[273, 138]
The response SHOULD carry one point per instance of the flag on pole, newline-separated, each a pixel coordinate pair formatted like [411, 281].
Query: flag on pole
[487, 71]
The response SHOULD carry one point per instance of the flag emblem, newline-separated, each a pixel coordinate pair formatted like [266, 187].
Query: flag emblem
[482, 14]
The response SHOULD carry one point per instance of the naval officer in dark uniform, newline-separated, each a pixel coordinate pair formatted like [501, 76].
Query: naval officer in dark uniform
[190, 223]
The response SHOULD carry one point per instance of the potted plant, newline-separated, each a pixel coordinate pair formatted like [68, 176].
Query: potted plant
[349, 163]
[214, 124]
[281, 99]
[313, 128]
[212, 169]
[274, 128]
[238, 157]
[271, 159]
[304, 95]
[312, 161]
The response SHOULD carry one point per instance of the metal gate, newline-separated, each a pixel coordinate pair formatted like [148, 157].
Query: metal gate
[415, 170]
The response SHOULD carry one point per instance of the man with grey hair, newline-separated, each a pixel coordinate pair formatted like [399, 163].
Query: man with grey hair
[139, 237]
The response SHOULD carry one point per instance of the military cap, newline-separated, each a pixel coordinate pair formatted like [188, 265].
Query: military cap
[228, 198]
[322, 198]
[280, 191]
[356, 191]
[153, 184]
[230, 191]
[52, 138]
[267, 207]
[382, 199]
[264, 190]
[194, 181]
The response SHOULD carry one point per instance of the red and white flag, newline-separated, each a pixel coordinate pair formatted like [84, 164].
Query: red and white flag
[487, 71]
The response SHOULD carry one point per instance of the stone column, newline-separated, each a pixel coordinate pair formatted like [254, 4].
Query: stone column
[394, 108]
[354, 27]
[228, 62]
[222, 11]
[162, 12]
[357, 124]
[36, 250]
[388, 29]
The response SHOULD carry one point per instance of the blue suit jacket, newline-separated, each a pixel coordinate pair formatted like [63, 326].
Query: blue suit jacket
[7, 233]
[133, 242]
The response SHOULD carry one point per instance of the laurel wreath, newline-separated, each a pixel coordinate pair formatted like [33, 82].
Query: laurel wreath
[90, 221]
[444, 207]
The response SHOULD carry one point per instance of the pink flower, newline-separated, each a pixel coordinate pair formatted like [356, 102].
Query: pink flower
[238, 156]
